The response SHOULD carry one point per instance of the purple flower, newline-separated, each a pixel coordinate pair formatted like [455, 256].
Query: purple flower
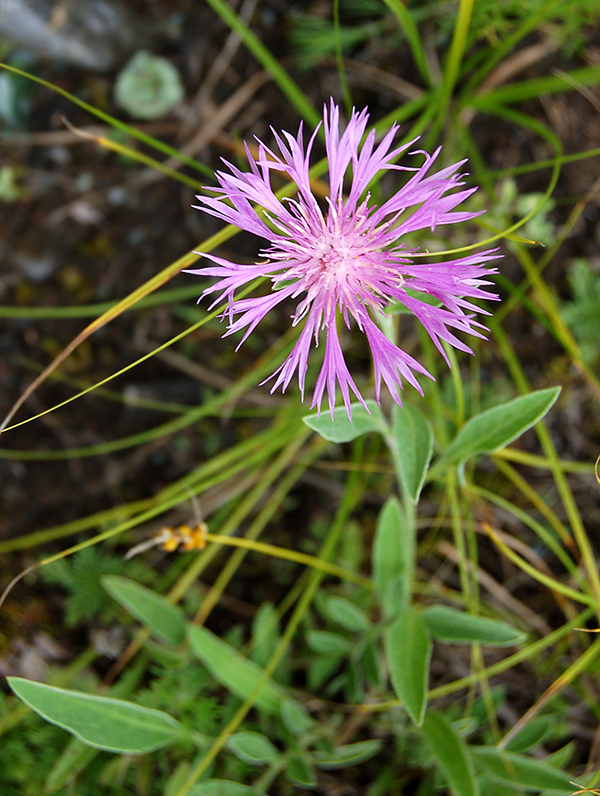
[345, 257]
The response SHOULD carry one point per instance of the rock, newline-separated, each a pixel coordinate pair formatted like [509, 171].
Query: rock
[95, 34]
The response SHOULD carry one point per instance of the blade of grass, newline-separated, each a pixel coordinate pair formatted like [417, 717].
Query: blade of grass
[92, 328]
[242, 454]
[534, 497]
[496, 54]
[132, 154]
[536, 87]
[137, 402]
[517, 294]
[169, 500]
[566, 495]
[291, 555]
[520, 119]
[339, 57]
[540, 530]
[533, 572]
[149, 140]
[148, 287]
[410, 30]
[406, 111]
[577, 668]
[290, 89]
[157, 299]
[210, 407]
[451, 68]
[276, 497]
[527, 168]
[532, 460]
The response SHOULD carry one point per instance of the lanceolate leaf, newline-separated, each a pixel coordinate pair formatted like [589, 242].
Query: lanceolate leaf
[341, 428]
[253, 747]
[392, 559]
[408, 651]
[295, 717]
[495, 428]
[221, 787]
[232, 670]
[346, 614]
[110, 724]
[412, 439]
[162, 618]
[521, 770]
[533, 734]
[450, 754]
[327, 643]
[300, 772]
[457, 627]
[350, 755]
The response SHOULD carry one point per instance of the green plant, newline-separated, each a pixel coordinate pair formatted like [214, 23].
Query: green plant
[414, 621]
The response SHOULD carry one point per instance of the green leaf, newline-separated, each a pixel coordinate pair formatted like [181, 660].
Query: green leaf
[320, 669]
[480, 710]
[232, 670]
[110, 724]
[562, 757]
[371, 665]
[328, 643]
[408, 651]
[412, 438]
[300, 773]
[164, 620]
[350, 755]
[449, 751]
[252, 747]
[265, 633]
[392, 560]
[533, 734]
[519, 770]
[495, 428]
[295, 717]
[221, 787]
[346, 614]
[457, 627]
[341, 428]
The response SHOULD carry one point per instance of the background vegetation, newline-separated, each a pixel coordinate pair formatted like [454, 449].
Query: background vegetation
[368, 616]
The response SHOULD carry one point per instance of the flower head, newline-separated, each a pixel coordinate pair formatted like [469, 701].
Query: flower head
[345, 258]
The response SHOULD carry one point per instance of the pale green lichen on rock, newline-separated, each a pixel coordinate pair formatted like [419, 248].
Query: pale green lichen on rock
[148, 86]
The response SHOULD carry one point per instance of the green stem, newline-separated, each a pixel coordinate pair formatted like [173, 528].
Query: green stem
[457, 49]
[339, 57]
[410, 30]
[292, 555]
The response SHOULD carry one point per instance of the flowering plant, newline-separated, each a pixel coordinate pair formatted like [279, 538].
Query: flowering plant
[348, 259]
